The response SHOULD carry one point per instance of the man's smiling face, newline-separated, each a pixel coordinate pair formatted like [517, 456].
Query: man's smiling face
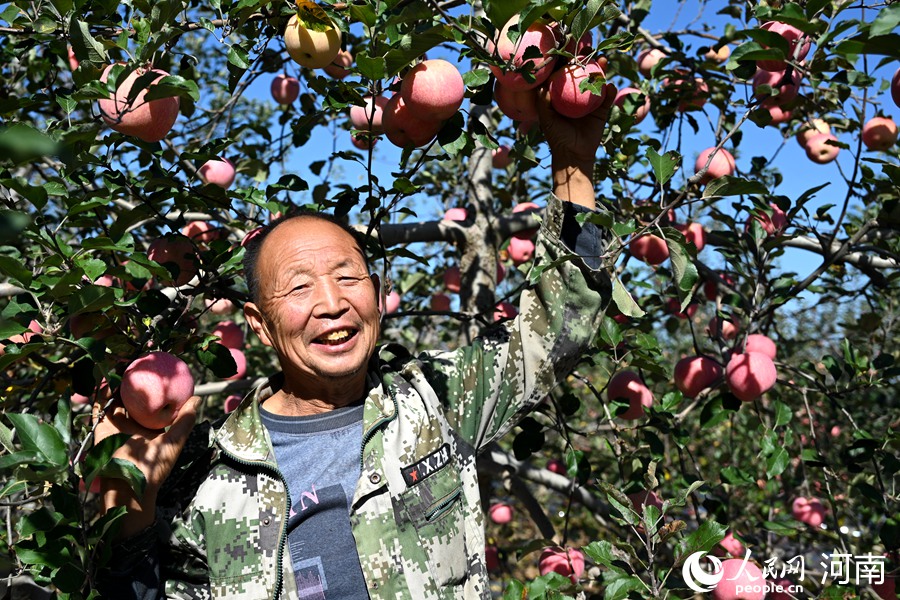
[318, 305]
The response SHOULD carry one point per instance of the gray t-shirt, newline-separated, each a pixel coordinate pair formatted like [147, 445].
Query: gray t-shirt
[319, 456]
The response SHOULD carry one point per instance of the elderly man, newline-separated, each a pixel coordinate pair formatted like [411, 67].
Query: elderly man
[351, 473]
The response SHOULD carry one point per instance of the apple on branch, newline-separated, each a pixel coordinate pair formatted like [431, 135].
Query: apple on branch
[285, 89]
[313, 41]
[155, 387]
[147, 120]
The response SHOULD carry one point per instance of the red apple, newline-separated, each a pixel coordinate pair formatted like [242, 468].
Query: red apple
[554, 465]
[433, 90]
[750, 375]
[722, 164]
[73, 62]
[647, 59]
[777, 81]
[673, 306]
[537, 36]
[501, 514]
[218, 171]
[363, 140]
[240, 362]
[639, 499]
[526, 234]
[793, 36]
[178, 251]
[201, 232]
[392, 303]
[757, 342]
[520, 251]
[694, 233]
[811, 128]
[500, 157]
[778, 115]
[732, 545]
[895, 88]
[694, 374]
[818, 151]
[404, 127]
[887, 589]
[309, 47]
[220, 306]
[724, 329]
[452, 280]
[568, 562]
[285, 89]
[155, 387]
[491, 558]
[772, 224]
[642, 110]
[505, 310]
[565, 95]
[879, 133]
[629, 386]
[369, 116]
[34, 328]
[231, 403]
[780, 590]
[230, 333]
[518, 105]
[740, 581]
[440, 302]
[149, 121]
[455, 214]
[808, 510]
[649, 248]
[338, 68]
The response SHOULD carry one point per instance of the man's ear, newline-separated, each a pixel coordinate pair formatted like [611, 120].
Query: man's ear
[257, 323]
[376, 283]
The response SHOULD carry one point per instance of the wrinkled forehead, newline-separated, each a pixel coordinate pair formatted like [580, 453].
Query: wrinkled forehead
[306, 241]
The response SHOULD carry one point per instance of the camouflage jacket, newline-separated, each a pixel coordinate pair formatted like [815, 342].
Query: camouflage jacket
[416, 514]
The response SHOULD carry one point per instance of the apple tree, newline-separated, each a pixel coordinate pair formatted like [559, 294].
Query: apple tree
[741, 394]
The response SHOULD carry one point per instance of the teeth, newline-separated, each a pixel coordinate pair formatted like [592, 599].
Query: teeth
[336, 336]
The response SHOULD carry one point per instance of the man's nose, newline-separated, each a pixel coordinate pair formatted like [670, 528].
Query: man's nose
[329, 298]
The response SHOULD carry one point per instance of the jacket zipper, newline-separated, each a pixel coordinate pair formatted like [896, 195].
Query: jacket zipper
[279, 575]
[438, 509]
[371, 431]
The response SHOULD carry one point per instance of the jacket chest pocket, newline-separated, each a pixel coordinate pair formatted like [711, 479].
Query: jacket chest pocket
[434, 507]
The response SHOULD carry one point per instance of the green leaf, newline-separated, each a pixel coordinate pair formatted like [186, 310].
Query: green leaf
[883, 45]
[239, 57]
[783, 413]
[84, 45]
[601, 552]
[218, 359]
[25, 457]
[515, 590]
[413, 46]
[91, 298]
[14, 269]
[584, 18]
[777, 462]
[174, 85]
[886, 21]
[619, 584]
[733, 186]
[684, 270]
[663, 166]
[624, 302]
[476, 78]
[19, 143]
[39, 437]
[118, 468]
[371, 67]
[6, 438]
[703, 539]
[752, 51]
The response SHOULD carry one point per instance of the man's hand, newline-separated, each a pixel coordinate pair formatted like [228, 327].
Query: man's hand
[153, 452]
[573, 145]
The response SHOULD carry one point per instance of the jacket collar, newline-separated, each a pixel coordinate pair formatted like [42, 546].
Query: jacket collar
[244, 436]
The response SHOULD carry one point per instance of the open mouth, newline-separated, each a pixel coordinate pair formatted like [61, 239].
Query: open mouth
[336, 337]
